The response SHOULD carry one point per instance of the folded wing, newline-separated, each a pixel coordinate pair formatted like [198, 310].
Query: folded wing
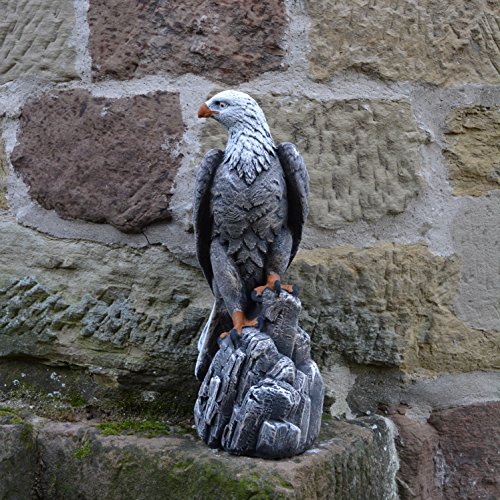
[202, 216]
[297, 184]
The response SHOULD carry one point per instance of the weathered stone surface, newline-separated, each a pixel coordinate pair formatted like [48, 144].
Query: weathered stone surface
[3, 177]
[476, 238]
[454, 455]
[263, 394]
[473, 150]
[469, 438]
[137, 313]
[389, 305]
[228, 41]
[101, 159]
[438, 42]
[353, 459]
[362, 156]
[417, 444]
[131, 316]
[378, 386]
[35, 39]
[18, 465]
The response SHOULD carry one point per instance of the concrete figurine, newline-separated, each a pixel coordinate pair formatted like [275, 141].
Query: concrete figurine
[262, 394]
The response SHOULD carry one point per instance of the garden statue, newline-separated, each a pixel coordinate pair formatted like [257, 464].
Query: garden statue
[262, 395]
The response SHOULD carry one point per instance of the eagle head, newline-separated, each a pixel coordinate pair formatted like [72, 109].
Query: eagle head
[250, 147]
[233, 108]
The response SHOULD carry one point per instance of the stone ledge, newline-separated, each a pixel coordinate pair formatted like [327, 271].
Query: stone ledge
[75, 460]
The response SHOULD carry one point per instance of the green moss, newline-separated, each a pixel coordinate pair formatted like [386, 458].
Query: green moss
[182, 466]
[84, 451]
[26, 435]
[75, 399]
[146, 427]
[11, 416]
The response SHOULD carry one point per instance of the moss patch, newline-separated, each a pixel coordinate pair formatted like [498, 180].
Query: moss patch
[10, 417]
[147, 428]
[75, 399]
[84, 451]
[26, 435]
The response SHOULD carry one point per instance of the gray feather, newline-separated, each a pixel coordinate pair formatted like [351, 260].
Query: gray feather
[202, 219]
[297, 182]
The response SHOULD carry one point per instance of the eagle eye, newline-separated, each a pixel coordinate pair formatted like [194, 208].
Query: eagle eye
[221, 105]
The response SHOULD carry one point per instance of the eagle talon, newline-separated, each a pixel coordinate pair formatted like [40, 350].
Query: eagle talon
[295, 290]
[277, 287]
[260, 323]
[235, 337]
[240, 321]
[256, 297]
[223, 335]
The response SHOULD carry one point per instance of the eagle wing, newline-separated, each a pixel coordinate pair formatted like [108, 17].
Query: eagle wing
[297, 184]
[202, 217]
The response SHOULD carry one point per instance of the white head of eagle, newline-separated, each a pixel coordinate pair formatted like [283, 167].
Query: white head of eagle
[250, 147]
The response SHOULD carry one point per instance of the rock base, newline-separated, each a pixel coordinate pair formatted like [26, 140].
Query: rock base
[263, 394]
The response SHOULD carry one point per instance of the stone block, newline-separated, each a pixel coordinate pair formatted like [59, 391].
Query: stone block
[3, 177]
[417, 445]
[132, 315]
[229, 41]
[362, 156]
[352, 460]
[476, 237]
[36, 40]
[472, 150]
[452, 455]
[101, 159]
[440, 42]
[18, 467]
[469, 439]
[390, 305]
[138, 313]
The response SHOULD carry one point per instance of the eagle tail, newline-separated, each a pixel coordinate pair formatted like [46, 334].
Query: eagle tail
[218, 322]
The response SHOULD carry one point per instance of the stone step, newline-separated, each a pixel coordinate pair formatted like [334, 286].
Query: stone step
[40, 458]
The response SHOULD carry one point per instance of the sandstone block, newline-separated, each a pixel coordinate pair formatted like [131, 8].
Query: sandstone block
[101, 159]
[417, 445]
[441, 42]
[18, 465]
[228, 41]
[390, 305]
[472, 150]
[135, 314]
[138, 313]
[352, 459]
[476, 236]
[3, 177]
[452, 455]
[469, 437]
[362, 156]
[35, 38]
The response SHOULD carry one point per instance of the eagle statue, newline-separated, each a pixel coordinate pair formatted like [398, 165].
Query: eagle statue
[250, 206]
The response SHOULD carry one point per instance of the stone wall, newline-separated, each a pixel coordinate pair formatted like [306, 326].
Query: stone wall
[396, 109]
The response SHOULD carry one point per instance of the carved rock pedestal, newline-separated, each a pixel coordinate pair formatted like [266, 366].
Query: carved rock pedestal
[263, 394]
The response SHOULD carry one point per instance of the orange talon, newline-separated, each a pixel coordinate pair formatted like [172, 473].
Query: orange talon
[239, 322]
[272, 278]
